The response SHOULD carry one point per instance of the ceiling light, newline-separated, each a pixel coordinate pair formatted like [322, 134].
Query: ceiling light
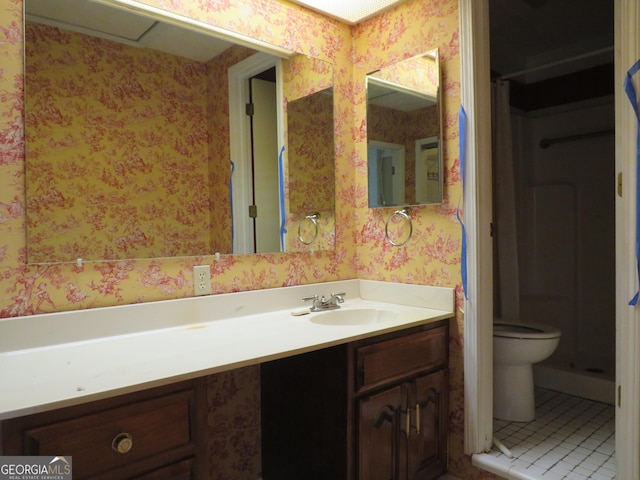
[349, 11]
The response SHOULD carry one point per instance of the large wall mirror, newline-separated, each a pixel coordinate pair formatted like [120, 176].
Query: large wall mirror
[404, 133]
[131, 146]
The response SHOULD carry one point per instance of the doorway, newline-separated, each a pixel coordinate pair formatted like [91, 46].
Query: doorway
[265, 208]
[475, 93]
[553, 171]
[386, 173]
[249, 235]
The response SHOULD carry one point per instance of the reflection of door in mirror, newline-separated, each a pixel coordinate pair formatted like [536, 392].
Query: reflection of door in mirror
[386, 173]
[264, 148]
[254, 153]
[427, 167]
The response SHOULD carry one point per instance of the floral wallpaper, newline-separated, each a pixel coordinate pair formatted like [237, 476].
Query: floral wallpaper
[431, 257]
[117, 152]
[310, 153]
[309, 156]
[419, 73]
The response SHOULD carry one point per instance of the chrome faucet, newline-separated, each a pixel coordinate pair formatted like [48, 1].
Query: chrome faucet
[324, 303]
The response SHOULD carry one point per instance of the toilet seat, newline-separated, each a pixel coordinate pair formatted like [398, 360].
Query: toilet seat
[523, 330]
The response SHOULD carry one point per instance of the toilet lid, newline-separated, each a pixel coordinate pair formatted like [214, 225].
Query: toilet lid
[524, 330]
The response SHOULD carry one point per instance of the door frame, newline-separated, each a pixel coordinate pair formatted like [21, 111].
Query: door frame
[627, 52]
[240, 141]
[475, 97]
[478, 314]
[398, 160]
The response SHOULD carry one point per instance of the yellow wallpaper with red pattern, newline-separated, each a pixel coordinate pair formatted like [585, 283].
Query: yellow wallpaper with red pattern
[309, 157]
[117, 148]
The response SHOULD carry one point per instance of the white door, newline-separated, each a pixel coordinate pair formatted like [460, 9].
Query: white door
[265, 166]
[386, 174]
[241, 145]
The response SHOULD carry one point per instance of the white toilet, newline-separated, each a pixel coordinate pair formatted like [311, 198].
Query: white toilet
[516, 347]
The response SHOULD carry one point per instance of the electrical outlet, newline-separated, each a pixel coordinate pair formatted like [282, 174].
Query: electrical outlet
[202, 280]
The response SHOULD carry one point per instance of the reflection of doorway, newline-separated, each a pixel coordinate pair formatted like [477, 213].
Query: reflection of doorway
[241, 149]
[386, 174]
[427, 166]
[264, 148]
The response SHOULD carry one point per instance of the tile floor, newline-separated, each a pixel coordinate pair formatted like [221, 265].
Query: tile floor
[570, 439]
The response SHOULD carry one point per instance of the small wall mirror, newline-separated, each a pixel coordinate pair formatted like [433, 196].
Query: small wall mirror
[308, 92]
[404, 133]
[133, 128]
[311, 156]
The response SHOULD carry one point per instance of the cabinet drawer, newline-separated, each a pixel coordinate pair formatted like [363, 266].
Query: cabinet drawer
[392, 360]
[177, 471]
[148, 427]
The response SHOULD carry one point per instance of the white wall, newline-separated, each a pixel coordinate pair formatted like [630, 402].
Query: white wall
[567, 255]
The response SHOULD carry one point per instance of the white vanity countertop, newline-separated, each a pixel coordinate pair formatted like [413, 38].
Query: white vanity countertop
[55, 360]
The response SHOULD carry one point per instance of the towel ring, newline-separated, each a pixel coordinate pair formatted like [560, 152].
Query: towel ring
[313, 218]
[404, 214]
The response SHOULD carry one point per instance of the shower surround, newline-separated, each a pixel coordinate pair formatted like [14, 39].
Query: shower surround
[566, 240]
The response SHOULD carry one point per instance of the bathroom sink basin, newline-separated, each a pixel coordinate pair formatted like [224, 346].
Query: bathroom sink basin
[354, 316]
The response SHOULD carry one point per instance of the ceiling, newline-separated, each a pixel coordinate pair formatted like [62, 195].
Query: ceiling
[349, 11]
[525, 34]
[125, 27]
[385, 94]
[528, 34]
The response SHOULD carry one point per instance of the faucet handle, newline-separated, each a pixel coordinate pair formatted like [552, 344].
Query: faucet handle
[338, 296]
[312, 297]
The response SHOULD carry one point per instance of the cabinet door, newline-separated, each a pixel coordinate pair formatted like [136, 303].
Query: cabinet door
[380, 430]
[428, 404]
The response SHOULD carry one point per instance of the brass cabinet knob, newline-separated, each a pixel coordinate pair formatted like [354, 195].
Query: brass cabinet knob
[122, 443]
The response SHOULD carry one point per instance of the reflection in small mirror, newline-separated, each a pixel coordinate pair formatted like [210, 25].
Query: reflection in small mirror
[404, 133]
[311, 163]
[308, 92]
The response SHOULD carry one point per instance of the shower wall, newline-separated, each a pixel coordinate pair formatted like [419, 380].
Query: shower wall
[566, 226]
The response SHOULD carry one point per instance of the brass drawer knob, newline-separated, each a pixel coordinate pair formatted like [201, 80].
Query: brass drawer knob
[122, 443]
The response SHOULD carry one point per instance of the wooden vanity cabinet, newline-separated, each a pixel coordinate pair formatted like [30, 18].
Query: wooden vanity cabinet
[372, 409]
[402, 423]
[402, 430]
[151, 434]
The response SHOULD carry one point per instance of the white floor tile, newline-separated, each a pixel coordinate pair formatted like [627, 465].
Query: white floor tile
[571, 439]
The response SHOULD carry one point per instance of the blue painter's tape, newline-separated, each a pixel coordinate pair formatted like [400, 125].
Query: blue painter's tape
[462, 121]
[283, 215]
[630, 90]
